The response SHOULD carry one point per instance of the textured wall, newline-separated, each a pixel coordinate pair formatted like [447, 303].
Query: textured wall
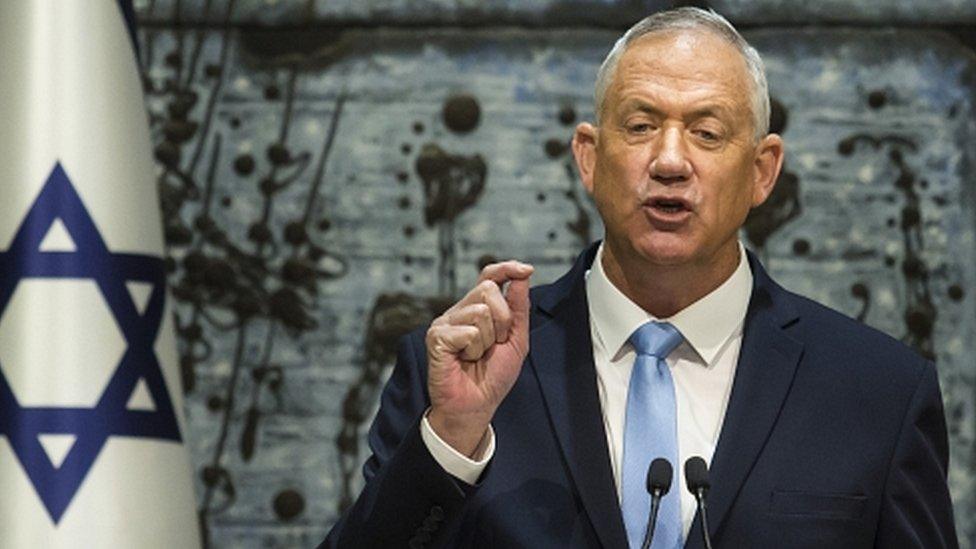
[333, 172]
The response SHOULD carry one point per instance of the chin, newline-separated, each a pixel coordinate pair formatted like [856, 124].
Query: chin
[667, 249]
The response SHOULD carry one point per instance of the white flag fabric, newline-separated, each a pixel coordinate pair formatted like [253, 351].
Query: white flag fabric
[92, 438]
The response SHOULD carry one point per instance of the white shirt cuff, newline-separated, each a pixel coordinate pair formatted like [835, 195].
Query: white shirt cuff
[454, 462]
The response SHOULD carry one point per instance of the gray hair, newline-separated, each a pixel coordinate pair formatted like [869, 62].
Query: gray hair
[691, 18]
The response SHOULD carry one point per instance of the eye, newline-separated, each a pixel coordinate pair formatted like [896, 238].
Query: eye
[707, 135]
[640, 127]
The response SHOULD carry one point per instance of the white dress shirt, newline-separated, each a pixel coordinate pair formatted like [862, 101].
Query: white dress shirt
[702, 366]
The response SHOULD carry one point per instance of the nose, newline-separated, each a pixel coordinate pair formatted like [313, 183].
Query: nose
[670, 163]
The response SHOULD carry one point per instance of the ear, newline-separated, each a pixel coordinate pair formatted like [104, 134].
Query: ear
[584, 151]
[768, 163]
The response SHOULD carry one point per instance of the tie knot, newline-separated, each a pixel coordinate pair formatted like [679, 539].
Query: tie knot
[657, 339]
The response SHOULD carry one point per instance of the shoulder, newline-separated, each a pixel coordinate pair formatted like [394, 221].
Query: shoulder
[850, 349]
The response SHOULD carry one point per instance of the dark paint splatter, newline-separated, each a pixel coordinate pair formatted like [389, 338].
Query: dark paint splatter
[215, 403]
[567, 115]
[555, 148]
[452, 183]
[847, 145]
[910, 217]
[180, 131]
[295, 233]
[259, 233]
[173, 60]
[956, 292]
[249, 435]
[461, 113]
[244, 165]
[877, 99]
[288, 504]
[801, 246]
[278, 154]
[178, 234]
[920, 322]
[168, 154]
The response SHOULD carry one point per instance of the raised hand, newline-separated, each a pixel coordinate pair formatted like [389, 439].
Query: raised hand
[475, 352]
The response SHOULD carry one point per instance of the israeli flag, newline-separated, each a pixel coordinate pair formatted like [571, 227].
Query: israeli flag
[92, 438]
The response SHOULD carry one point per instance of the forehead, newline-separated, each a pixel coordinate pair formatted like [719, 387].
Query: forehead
[686, 63]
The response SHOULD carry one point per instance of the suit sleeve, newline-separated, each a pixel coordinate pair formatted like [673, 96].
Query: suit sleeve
[408, 500]
[915, 508]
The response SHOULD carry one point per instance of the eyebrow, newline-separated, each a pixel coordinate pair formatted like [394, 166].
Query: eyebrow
[714, 110]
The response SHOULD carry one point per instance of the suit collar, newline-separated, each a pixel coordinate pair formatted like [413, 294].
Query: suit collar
[707, 324]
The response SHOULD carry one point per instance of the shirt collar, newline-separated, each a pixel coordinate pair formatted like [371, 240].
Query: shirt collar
[706, 324]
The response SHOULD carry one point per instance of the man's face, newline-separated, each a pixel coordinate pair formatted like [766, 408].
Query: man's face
[674, 167]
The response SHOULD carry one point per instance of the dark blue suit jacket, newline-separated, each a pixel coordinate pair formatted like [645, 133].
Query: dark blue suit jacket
[834, 436]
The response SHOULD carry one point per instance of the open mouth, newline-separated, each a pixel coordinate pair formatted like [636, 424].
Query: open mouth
[670, 206]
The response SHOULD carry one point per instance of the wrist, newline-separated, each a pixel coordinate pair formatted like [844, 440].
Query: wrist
[465, 434]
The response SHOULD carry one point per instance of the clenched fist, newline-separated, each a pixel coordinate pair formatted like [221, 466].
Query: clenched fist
[475, 351]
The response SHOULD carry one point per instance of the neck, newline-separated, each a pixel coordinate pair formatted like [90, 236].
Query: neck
[664, 290]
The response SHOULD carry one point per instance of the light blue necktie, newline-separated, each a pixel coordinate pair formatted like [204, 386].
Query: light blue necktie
[651, 431]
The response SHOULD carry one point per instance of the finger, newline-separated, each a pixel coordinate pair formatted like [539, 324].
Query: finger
[499, 274]
[501, 314]
[517, 299]
[446, 340]
[479, 316]
[505, 271]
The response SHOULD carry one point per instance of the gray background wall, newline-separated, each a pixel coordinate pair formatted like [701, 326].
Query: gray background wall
[334, 172]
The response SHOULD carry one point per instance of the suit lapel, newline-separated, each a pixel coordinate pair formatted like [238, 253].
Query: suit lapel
[561, 354]
[767, 364]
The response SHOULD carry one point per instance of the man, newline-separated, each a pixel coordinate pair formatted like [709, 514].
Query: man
[528, 419]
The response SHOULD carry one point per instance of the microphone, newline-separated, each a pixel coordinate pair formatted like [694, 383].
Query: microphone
[658, 483]
[696, 477]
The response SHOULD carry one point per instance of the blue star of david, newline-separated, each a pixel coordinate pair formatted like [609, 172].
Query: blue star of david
[57, 486]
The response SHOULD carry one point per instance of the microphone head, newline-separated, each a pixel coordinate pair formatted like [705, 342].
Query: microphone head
[659, 476]
[696, 474]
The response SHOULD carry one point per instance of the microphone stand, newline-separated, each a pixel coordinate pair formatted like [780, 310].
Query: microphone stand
[652, 518]
[700, 498]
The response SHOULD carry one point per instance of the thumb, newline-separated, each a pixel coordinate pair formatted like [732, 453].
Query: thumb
[517, 297]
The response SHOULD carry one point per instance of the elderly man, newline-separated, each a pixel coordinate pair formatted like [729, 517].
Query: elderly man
[529, 419]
